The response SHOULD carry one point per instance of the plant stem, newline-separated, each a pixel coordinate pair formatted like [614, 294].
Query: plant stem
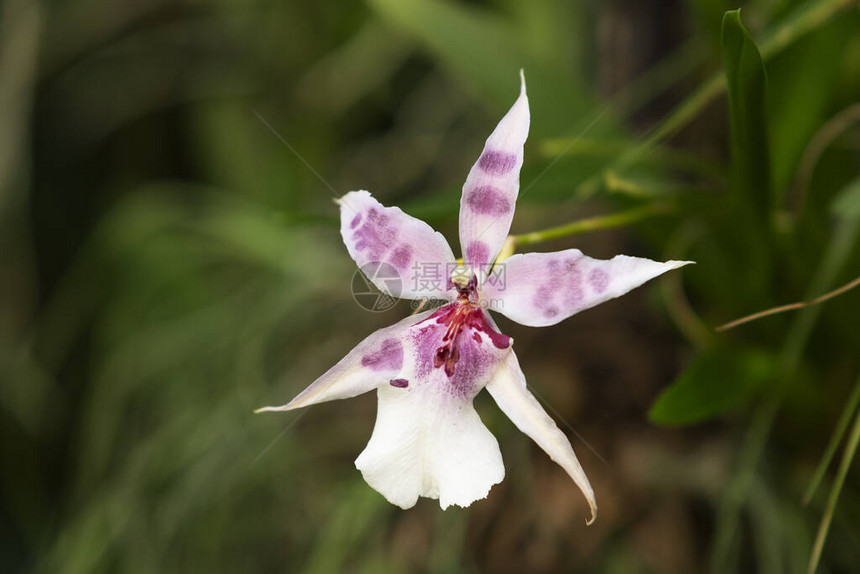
[835, 439]
[791, 306]
[844, 465]
[598, 223]
[738, 488]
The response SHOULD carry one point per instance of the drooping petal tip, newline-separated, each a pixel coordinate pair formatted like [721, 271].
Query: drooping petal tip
[301, 400]
[508, 388]
[267, 410]
[592, 505]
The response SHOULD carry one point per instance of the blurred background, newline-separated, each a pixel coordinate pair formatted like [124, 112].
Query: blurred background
[169, 261]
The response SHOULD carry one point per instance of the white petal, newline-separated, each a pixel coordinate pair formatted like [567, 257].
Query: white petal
[539, 289]
[429, 444]
[428, 440]
[376, 360]
[402, 255]
[491, 189]
[508, 388]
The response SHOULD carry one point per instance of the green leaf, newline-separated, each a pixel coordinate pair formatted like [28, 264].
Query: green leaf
[714, 383]
[747, 86]
[801, 86]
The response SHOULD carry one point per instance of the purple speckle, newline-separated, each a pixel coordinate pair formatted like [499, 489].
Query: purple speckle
[599, 280]
[355, 221]
[572, 284]
[375, 235]
[399, 383]
[426, 339]
[562, 294]
[543, 296]
[497, 162]
[389, 356]
[477, 253]
[572, 266]
[488, 200]
[401, 256]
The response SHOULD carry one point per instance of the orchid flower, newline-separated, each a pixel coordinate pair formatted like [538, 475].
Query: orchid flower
[427, 369]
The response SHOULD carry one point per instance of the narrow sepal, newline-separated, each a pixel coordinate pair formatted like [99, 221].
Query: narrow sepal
[491, 189]
[508, 389]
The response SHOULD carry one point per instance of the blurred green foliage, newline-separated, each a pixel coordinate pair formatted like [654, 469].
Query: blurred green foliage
[713, 383]
[171, 262]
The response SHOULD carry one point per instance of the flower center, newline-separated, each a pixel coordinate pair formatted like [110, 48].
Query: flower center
[463, 278]
[465, 321]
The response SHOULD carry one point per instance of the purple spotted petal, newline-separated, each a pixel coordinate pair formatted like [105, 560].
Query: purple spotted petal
[539, 289]
[402, 255]
[508, 389]
[490, 192]
[428, 440]
[377, 360]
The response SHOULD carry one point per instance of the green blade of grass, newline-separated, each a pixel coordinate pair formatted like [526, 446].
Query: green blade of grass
[844, 465]
[747, 87]
[835, 439]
